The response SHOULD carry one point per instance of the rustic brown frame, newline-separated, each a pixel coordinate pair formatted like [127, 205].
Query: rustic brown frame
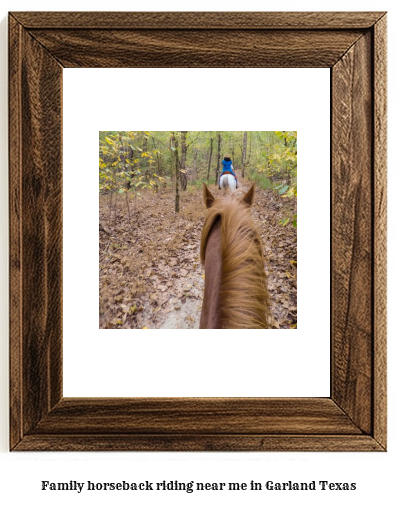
[353, 45]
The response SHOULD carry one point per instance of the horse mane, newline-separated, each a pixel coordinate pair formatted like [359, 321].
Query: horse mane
[243, 297]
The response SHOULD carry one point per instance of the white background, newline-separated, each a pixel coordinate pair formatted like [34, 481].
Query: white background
[249, 363]
[20, 474]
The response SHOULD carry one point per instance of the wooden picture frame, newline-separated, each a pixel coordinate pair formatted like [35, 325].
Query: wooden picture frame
[353, 46]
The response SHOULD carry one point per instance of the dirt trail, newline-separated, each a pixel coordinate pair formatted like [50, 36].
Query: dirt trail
[150, 272]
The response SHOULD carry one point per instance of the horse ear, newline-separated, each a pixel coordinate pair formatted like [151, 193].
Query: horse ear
[208, 197]
[248, 199]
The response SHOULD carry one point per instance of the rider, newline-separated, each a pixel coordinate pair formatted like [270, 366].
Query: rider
[228, 168]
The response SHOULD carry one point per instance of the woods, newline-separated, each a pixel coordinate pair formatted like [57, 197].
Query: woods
[151, 215]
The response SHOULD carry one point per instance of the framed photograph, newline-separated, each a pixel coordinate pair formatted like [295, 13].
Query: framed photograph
[353, 46]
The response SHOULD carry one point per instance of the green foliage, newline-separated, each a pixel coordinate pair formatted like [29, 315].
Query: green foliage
[279, 161]
[123, 165]
[145, 160]
[260, 179]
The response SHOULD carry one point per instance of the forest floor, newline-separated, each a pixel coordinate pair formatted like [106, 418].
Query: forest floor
[150, 274]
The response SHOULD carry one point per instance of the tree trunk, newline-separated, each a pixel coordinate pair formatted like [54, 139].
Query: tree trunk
[218, 161]
[209, 161]
[177, 172]
[183, 175]
[244, 157]
[194, 163]
[128, 207]
[250, 150]
[157, 157]
[144, 150]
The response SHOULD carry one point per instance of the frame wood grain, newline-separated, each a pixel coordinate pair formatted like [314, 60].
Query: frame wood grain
[353, 46]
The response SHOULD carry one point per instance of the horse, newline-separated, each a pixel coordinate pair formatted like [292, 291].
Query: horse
[235, 289]
[227, 181]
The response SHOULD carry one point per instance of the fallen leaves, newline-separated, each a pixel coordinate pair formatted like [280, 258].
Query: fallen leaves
[280, 249]
[159, 271]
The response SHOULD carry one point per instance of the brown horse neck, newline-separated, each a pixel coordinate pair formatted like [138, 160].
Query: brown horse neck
[213, 273]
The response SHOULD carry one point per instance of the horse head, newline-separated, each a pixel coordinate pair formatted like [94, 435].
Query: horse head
[247, 199]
